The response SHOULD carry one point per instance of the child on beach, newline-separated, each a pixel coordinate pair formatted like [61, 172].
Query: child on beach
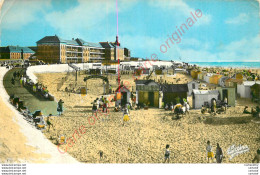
[125, 115]
[167, 154]
[49, 124]
[209, 151]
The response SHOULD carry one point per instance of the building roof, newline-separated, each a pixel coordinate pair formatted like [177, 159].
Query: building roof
[174, 87]
[89, 44]
[250, 83]
[18, 49]
[122, 86]
[205, 92]
[4, 49]
[234, 80]
[72, 42]
[109, 45]
[51, 39]
[144, 82]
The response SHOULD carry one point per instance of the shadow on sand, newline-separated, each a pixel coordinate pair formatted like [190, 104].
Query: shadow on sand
[227, 120]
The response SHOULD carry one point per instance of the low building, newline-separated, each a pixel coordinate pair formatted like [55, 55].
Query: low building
[147, 92]
[15, 52]
[199, 97]
[192, 85]
[171, 92]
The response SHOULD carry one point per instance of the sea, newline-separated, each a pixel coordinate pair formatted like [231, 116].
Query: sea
[228, 64]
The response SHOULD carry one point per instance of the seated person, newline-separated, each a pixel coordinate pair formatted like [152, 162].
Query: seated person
[203, 109]
[246, 111]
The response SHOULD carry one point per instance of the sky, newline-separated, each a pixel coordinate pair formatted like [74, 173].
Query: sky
[223, 31]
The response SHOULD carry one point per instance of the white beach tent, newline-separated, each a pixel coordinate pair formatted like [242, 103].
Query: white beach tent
[199, 97]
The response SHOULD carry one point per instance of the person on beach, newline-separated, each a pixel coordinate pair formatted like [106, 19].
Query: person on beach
[105, 104]
[209, 151]
[225, 103]
[14, 74]
[94, 107]
[101, 153]
[246, 111]
[219, 154]
[18, 74]
[21, 82]
[167, 154]
[214, 107]
[257, 157]
[13, 81]
[60, 107]
[125, 115]
[97, 101]
[49, 124]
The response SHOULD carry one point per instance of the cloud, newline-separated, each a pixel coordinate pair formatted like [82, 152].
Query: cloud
[246, 49]
[194, 50]
[16, 13]
[85, 16]
[242, 18]
[181, 6]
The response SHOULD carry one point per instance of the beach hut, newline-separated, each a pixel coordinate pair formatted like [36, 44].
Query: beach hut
[147, 92]
[207, 77]
[192, 85]
[214, 79]
[255, 91]
[244, 90]
[124, 93]
[199, 97]
[201, 75]
[222, 80]
[173, 91]
[229, 93]
[232, 82]
[239, 76]
[194, 74]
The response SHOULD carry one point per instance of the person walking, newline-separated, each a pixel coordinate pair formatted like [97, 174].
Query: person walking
[125, 115]
[209, 151]
[167, 154]
[60, 107]
[49, 124]
[219, 154]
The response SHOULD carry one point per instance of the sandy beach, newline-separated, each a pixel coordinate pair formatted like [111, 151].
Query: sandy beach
[144, 138]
